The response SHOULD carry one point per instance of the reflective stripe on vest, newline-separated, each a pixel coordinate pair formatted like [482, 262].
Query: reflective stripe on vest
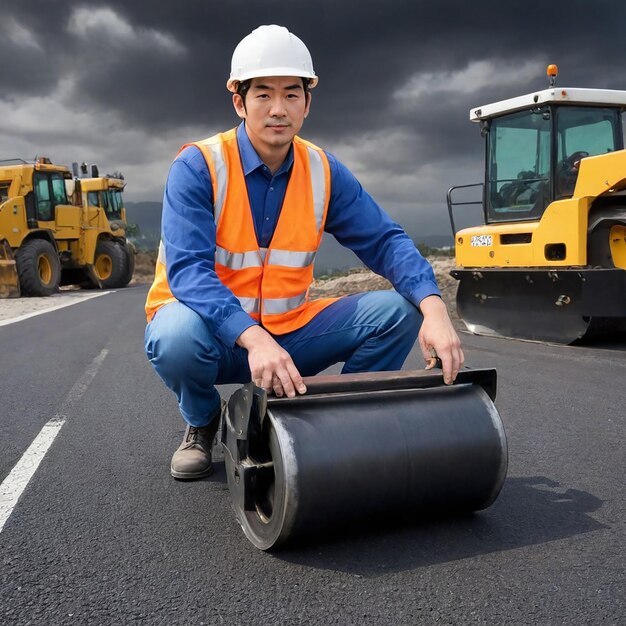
[221, 172]
[255, 258]
[289, 258]
[250, 305]
[275, 306]
[319, 188]
[161, 255]
[238, 260]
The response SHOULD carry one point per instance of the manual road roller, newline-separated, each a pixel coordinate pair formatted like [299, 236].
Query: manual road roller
[362, 447]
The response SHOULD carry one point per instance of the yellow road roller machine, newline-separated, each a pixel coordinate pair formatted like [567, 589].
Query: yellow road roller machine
[358, 449]
[548, 262]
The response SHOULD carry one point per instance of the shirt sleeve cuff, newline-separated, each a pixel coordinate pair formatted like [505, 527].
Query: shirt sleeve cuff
[233, 327]
[427, 288]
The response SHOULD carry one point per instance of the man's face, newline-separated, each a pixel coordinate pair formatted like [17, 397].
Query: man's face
[274, 110]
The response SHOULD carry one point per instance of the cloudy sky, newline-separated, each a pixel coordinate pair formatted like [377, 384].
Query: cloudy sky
[125, 83]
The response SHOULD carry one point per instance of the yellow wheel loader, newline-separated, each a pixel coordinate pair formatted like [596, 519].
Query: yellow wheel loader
[114, 259]
[50, 235]
[549, 261]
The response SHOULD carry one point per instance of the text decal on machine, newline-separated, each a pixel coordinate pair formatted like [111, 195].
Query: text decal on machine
[481, 240]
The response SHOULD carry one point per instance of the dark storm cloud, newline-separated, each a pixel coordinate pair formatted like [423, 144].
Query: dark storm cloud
[362, 50]
[397, 78]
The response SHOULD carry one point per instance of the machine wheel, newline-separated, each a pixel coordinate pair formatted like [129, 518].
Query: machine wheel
[129, 251]
[38, 268]
[111, 265]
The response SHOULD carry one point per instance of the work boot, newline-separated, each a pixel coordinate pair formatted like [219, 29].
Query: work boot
[192, 460]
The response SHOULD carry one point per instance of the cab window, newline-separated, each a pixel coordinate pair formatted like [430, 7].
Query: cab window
[518, 172]
[582, 132]
[43, 197]
[58, 189]
[49, 191]
[115, 203]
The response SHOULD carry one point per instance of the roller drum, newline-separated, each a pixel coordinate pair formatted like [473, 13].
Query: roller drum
[307, 465]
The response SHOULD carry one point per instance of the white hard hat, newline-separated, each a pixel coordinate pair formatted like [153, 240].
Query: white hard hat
[270, 51]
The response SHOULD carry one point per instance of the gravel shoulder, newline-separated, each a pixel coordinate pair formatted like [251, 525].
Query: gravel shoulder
[12, 308]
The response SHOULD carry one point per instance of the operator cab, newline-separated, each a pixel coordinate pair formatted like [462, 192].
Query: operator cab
[108, 199]
[534, 145]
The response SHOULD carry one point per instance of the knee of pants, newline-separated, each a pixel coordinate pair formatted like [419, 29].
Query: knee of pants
[179, 343]
[405, 309]
[395, 311]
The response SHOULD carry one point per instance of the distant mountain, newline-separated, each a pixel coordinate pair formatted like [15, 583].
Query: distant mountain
[146, 215]
[435, 241]
[333, 257]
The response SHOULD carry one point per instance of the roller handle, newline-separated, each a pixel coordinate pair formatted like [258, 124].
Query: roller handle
[388, 381]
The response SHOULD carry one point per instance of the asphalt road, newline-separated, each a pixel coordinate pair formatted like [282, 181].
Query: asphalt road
[103, 535]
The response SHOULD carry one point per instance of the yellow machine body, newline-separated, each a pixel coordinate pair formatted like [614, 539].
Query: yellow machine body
[563, 226]
[70, 232]
[548, 262]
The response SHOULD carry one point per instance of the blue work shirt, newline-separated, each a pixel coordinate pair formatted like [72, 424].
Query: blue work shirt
[354, 219]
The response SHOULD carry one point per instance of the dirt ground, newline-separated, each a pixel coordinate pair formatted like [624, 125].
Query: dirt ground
[144, 267]
[361, 279]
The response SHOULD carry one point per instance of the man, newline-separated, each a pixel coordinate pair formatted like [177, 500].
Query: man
[243, 216]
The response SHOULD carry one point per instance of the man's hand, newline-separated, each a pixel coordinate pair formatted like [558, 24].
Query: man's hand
[271, 366]
[437, 338]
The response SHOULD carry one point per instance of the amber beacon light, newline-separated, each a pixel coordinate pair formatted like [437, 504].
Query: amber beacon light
[552, 71]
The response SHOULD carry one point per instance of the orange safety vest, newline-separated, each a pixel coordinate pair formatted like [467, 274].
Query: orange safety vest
[272, 285]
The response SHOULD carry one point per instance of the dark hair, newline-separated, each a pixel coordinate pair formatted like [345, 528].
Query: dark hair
[243, 86]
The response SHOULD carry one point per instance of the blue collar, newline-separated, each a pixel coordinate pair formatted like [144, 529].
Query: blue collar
[250, 160]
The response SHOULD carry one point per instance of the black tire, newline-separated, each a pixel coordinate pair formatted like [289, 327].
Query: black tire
[129, 250]
[38, 268]
[110, 265]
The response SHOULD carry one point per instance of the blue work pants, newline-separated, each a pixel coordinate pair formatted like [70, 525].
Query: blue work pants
[368, 332]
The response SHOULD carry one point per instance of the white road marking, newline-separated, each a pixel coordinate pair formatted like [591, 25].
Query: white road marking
[67, 301]
[14, 484]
